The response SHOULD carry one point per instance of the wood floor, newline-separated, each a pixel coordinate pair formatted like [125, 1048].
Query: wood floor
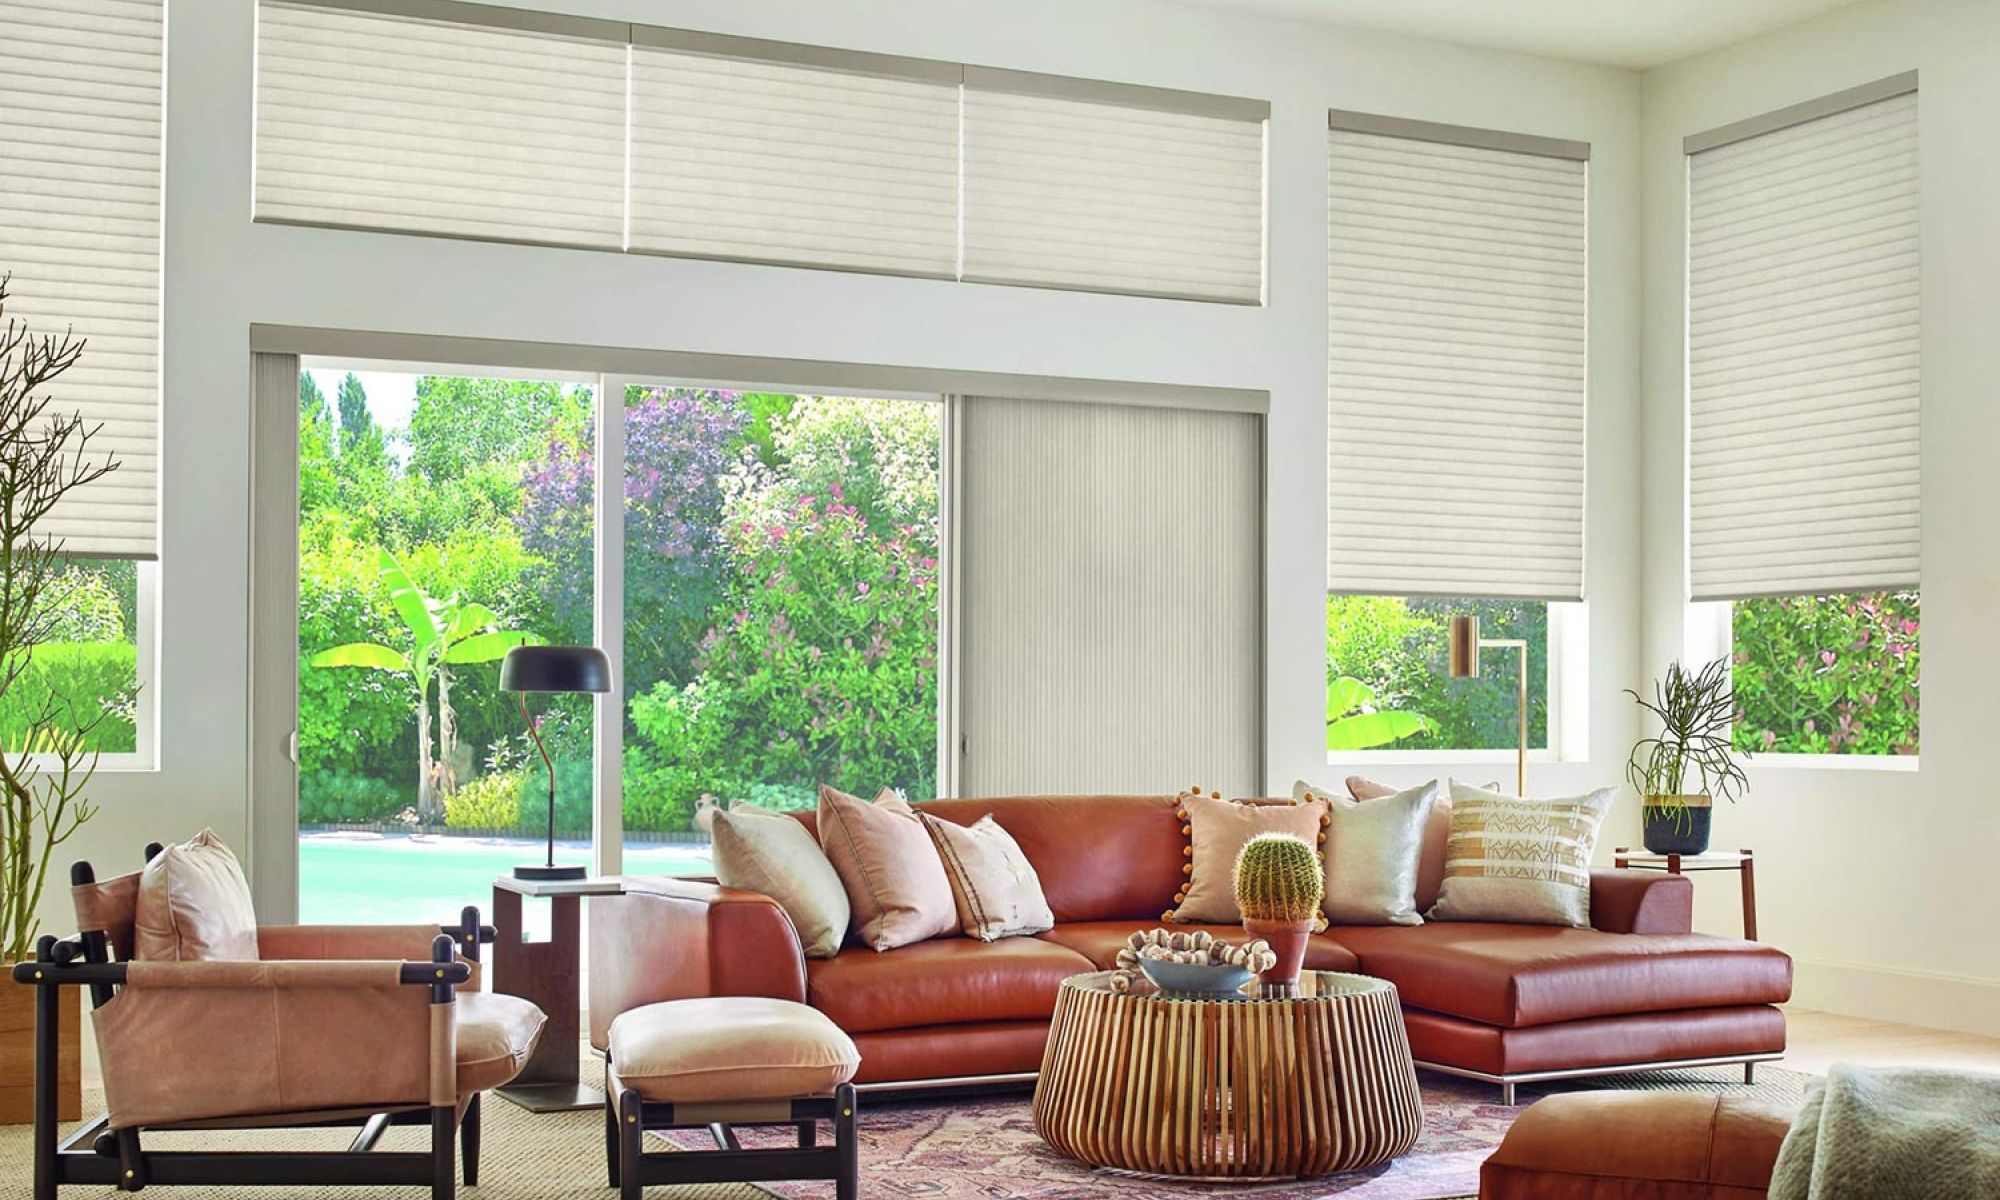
[1816, 1040]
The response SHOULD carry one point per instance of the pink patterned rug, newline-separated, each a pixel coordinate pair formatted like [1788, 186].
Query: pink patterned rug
[986, 1149]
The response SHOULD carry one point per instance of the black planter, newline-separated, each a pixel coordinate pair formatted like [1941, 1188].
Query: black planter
[1677, 829]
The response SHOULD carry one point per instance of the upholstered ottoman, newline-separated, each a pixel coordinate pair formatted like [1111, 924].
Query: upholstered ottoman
[1638, 1146]
[720, 1062]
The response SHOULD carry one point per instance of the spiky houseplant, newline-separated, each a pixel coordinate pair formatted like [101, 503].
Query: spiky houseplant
[44, 455]
[1279, 885]
[1679, 771]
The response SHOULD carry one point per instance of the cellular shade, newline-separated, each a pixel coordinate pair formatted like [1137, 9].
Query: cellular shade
[80, 86]
[1068, 187]
[785, 162]
[375, 121]
[1803, 357]
[1455, 364]
[1109, 598]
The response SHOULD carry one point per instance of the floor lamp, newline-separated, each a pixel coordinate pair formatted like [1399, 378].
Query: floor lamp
[1465, 644]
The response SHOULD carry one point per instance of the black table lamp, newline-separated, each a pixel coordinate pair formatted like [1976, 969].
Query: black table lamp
[552, 669]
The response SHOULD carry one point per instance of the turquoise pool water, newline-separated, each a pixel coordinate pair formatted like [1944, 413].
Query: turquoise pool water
[396, 879]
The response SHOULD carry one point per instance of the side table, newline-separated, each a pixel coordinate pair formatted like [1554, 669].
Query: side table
[1740, 861]
[551, 975]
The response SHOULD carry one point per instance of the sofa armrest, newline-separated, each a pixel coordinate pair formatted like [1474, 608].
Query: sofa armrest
[1641, 902]
[672, 939]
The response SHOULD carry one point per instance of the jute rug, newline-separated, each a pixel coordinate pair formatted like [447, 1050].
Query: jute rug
[982, 1149]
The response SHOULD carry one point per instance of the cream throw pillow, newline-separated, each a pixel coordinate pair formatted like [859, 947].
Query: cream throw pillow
[1520, 860]
[1217, 829]
[1371, 854]
[194, 905]
[995, 886]
[895, 884]
[771, 853]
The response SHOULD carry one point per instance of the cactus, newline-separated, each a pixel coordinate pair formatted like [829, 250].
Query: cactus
[1279, 878]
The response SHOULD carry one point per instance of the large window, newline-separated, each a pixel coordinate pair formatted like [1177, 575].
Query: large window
[1826, 674]
[1388, 687]
[780, 602]
[88, 673]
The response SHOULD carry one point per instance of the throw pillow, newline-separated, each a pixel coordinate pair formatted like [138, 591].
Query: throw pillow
[1216, 830]
[995, 886]
[1371, 854]
[896, 887]
[774, 854]
[1430, 863]
[1515, 859]
[194, 905]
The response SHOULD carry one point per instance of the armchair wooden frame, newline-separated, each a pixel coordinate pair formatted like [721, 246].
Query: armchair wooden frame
[95, 1153]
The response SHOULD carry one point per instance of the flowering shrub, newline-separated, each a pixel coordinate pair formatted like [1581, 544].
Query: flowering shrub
[1826, 674]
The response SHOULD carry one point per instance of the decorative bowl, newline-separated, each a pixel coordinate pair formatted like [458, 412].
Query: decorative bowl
[1195, 979]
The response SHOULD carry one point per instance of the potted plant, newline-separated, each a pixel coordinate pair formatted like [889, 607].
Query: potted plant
[1279, 884]
[45, 766]
[1680, 771]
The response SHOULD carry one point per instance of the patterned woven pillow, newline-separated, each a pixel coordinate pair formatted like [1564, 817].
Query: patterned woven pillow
[1513, 859]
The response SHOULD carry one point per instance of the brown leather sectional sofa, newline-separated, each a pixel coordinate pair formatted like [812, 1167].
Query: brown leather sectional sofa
[1506, 1003]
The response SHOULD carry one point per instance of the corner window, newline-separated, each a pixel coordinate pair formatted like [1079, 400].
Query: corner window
[1388, 686]
[1826, 674]
[92, 670]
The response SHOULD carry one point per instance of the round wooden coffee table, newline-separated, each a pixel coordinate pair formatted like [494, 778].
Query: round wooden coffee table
[1279, 1087]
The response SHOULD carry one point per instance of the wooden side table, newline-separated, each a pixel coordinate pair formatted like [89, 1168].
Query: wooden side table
[1740, 861]
[551, 975]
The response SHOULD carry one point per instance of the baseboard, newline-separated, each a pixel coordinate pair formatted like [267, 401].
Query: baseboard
[1929, 998]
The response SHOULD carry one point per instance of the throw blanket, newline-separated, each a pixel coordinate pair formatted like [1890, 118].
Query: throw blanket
[1893, 1133]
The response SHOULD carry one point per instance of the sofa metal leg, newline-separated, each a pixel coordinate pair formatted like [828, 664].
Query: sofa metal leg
[631, 1131]
[468, 1144]
[1749, 1073]
[1507, 1094]
[444, 1171]
[847, 1183]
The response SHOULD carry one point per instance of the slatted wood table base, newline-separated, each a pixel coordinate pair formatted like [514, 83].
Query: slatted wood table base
[1256, 1088]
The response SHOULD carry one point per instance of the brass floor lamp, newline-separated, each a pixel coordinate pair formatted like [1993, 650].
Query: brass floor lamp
[1463, 656]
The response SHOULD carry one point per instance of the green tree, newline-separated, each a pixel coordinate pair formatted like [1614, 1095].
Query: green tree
[312, 401]
[460, 425]
[440, 634]
[355, 423]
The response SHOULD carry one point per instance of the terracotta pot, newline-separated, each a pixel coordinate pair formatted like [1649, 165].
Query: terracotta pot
[1288, 942]
[17, 1053]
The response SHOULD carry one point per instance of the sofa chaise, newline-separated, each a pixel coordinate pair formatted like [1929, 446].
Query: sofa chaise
[1504, 1003]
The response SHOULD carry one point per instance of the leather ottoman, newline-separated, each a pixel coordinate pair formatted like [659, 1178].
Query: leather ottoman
[1638, 1146]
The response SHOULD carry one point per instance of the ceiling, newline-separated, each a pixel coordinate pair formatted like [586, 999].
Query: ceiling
[1635, 34]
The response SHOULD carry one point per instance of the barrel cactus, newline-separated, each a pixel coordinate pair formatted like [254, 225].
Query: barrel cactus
[1279, 878]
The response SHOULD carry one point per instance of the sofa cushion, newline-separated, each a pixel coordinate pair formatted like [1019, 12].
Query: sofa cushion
[896, 887]
[1218, 829]
[194, 905]
[496, 1034]
[1520, 975]
[1098, 858]
[950, 981]
[1100, 941]
[1619, 1145]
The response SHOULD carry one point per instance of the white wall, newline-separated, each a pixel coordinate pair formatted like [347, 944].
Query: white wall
[224, 273]
[1878, 882]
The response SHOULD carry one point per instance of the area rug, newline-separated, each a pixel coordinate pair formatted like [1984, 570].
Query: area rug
[987, 1149]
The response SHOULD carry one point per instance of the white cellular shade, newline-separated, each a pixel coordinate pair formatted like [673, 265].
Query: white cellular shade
[1803, 351]
[80, 118]
[1109, 598]
[776, 162]
[1099, 196]
[384, 122]
[1455, 370]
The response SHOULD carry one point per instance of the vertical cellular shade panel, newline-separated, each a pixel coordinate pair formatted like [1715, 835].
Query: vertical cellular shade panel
[1803, 356]
[1097, 196]
[776, 162]
[80, 116]
[1455, 370]
[392, 123]
[1110, 609]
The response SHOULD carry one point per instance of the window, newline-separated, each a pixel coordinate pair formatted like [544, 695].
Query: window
[780, 603]
[1826, 674]
[94, 666]
[539, 127]
[1386, 655]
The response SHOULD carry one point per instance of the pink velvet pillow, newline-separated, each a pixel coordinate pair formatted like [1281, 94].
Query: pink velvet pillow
[896, 885]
